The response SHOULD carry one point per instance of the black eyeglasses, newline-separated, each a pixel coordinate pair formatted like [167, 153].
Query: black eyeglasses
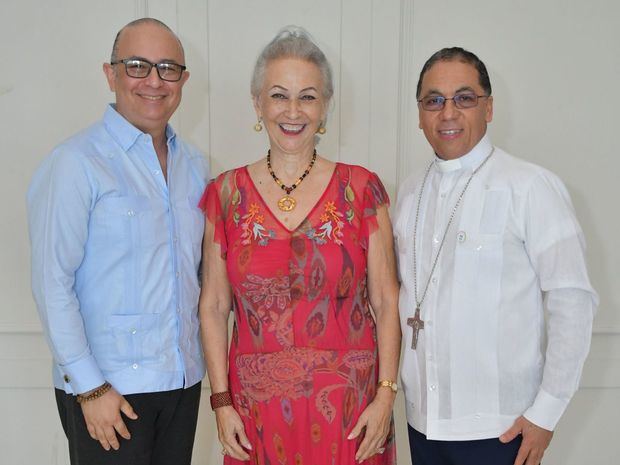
[140, 68]
[461, 101]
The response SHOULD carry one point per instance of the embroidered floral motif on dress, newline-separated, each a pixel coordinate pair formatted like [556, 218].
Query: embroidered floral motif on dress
[253, 228]
[331, 227]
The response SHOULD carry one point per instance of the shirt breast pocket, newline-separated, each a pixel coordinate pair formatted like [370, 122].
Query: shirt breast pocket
[478, 260]
[479, 254]
[127, 220]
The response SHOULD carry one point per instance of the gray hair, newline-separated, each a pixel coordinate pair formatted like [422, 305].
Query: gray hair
[292, 42]
[138, 22]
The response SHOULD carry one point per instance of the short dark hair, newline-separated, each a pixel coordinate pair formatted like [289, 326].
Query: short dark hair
[457, 54]
[138, 22]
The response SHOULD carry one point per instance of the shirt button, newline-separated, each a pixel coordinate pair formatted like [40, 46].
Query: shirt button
[477, 416]
[156, 172]
[434, 280]
[432, 387]
[175, 239]
[131, 213]
[66, 378]
[177, 274]
[443, 195]
[429, 357]
[134, 366]
[461, 236]
[428, 323]
[178, 310]
[436, 240]
[134, 331]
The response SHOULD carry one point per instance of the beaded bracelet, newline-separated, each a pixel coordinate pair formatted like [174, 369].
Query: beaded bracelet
[95, 394]
[220, 399]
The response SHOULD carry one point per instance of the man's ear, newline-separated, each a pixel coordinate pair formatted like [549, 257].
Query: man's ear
[489, 109]
[110, 75]
[184, 77]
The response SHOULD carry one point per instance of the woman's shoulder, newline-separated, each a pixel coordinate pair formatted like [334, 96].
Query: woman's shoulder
[356, 174]
[228, 177]
[365, 183]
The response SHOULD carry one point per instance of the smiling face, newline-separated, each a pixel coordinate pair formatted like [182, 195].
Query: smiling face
[453, 132]
[146, 103]
[291, 104]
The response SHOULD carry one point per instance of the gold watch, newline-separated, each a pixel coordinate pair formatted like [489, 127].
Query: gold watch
[389, 384]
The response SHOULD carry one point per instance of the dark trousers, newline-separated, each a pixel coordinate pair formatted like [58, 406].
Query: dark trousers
[163, 434]
[480, 452]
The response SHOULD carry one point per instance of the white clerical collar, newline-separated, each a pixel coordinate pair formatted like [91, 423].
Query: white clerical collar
[470, 160]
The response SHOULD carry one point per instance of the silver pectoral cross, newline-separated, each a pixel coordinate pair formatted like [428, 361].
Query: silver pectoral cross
[416, 324]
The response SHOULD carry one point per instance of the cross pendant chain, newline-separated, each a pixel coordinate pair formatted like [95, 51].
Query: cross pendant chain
[416, 324]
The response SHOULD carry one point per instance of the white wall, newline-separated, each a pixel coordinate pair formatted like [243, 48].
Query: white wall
[553, 66]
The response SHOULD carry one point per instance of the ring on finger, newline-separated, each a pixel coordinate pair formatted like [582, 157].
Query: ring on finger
[380, 450]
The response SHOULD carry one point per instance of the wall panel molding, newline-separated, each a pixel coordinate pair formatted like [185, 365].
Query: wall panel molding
[142, 8]
[33, 327]
[407, 114]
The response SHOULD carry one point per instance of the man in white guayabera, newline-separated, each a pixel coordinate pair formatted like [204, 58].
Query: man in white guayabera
[115, 234]
[496, 305]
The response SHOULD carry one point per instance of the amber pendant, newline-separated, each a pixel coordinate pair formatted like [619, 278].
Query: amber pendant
[287, 203]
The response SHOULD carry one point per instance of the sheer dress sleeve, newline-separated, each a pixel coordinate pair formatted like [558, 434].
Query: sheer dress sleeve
[212, 204]
[375, 196]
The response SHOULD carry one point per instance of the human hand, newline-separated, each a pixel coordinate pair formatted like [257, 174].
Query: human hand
[535, 441]
[376, 419]
[103, 418]
[231, 433]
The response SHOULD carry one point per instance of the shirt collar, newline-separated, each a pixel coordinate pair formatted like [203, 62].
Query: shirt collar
[171, 136]
[126, 133]
[470, 160]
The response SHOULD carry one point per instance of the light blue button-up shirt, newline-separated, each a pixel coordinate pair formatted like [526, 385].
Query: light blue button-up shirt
[115, 258]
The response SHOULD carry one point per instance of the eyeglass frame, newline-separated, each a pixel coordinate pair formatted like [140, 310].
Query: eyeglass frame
[454, 99]
[151, 66]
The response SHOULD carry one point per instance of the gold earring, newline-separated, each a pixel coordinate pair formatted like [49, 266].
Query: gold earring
[258, 127]
[321, 130]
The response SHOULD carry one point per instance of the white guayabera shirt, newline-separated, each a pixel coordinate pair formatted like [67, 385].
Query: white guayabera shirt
[515, 252]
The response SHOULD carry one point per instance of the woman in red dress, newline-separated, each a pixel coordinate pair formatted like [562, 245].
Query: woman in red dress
[300, 249]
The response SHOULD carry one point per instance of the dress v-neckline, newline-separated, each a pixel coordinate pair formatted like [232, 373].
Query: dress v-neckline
[307, 215]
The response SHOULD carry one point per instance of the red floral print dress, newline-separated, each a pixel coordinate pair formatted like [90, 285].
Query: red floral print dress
[303, 357]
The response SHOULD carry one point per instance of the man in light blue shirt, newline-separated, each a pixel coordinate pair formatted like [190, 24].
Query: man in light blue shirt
[116, 239]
